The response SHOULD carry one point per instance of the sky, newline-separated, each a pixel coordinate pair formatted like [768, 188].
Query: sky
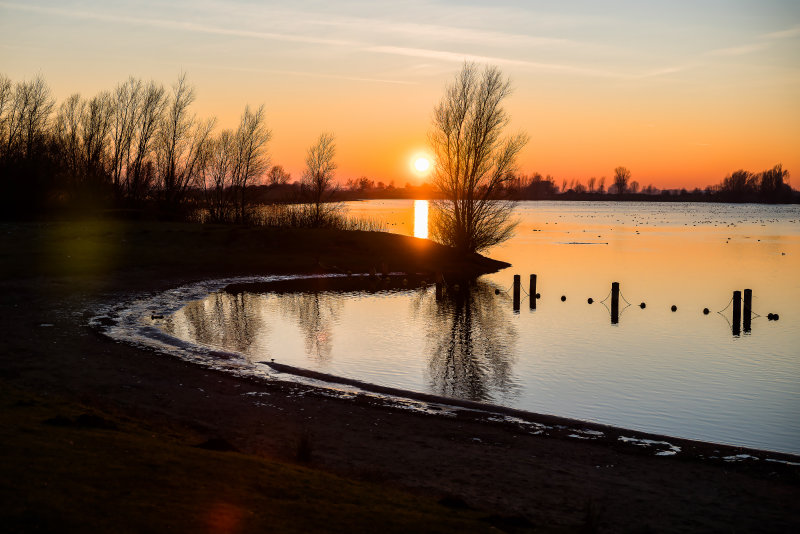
[682, 93]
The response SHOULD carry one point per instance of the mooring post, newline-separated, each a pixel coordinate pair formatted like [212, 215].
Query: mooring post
[516, 292]
[737, 313]
[614, 302]
[748, 309]
[532, 292]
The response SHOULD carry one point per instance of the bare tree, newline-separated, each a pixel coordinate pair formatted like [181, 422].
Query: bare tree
[590, 184]
[6, 95]
[126, 107]
[95, 130]
[218, 177]
[182, 145]
[634, 187]
[251, 159]
[278, 176]
[601, 188]
[317, 183]
[27, 119]
[473, 162]
[68, 127]
[140, 173]
[621, 177]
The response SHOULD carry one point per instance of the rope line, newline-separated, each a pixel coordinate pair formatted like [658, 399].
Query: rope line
[726, 307]
[623, 298]
[605, 299]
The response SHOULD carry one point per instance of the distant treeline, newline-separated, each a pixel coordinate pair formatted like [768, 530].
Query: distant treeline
[139, 147]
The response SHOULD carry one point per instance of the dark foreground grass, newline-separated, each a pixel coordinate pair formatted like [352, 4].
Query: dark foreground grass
[72, 470]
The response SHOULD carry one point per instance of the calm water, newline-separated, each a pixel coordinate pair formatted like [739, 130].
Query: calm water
[679, 373]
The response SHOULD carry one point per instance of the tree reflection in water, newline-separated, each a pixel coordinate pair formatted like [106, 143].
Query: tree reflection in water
[222, 319]
[315, 313]
[470, 342]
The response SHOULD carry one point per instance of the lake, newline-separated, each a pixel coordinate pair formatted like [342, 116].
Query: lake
[680, 373]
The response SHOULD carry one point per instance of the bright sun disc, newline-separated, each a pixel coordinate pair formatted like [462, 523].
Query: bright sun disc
[422, 164]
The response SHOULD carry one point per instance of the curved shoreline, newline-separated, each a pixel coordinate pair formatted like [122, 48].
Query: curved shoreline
[167, 302]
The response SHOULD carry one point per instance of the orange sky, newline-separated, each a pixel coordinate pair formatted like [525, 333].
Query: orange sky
[681, 94]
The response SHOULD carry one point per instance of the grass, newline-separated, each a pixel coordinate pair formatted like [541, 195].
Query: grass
[61, 475]
[108, 249]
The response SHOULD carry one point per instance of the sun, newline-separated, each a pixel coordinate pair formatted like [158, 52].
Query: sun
[422, 164]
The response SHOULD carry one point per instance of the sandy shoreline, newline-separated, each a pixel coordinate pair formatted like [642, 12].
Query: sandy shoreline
[541, 479]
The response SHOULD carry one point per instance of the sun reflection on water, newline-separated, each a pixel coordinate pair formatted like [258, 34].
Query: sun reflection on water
[421, 219]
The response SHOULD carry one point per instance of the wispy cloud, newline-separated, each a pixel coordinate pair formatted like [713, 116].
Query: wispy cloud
[307, 74]
[458, 57]
[742, 50]
[177, 25]
[794, 31]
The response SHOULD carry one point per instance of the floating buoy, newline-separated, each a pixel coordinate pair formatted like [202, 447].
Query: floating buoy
[674, 308]
[642, 305]
[538, 295]
[775, 317]
[496, 291]
[590, 300]
[769, 317]
[705, 311]
[563, 298]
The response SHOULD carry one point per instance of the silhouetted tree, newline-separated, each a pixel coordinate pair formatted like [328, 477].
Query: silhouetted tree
[182, 147]
[218, 178]
[773, 184]
[317, 185]
[621, 177]
[277, 176]
[140, 173]
[473, 162]
[251, 158]
[125, 102]
[590, 184]
[634, 187]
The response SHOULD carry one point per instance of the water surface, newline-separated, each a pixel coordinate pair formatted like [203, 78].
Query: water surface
[680, 373]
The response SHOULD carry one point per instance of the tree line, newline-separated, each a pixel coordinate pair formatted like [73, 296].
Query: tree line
[139, 146]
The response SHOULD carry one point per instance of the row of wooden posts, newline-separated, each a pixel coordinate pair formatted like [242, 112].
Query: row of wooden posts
[738, 322]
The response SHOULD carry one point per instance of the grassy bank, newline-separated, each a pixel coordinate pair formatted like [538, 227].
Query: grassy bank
[108, 250]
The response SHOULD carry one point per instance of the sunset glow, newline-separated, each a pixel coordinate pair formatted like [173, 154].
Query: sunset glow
[422, 164]
[681, 93]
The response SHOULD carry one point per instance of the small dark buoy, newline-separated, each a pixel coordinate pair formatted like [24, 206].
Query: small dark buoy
[642, 305]
[496, 291]
[769, 317]
[775, 317]
[705, 311]
[538, 295]
[563, 298]
[590, 300]
[674, 308]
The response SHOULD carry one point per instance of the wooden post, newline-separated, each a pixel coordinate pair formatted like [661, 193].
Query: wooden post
[737, 313]
[614, 302]
[748, 309]
[532, 292]
[516, 292]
